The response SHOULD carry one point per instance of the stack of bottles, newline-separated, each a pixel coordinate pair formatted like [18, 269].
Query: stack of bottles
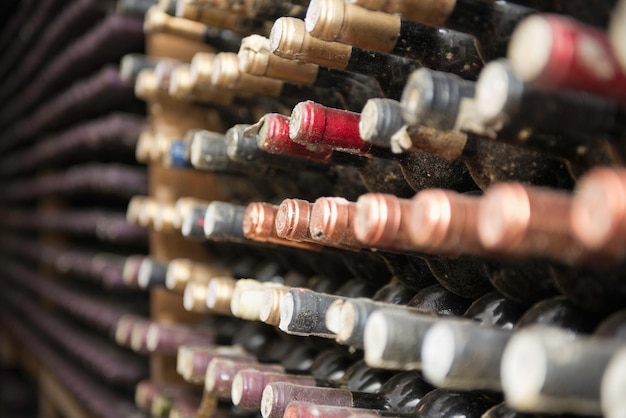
[355, 208]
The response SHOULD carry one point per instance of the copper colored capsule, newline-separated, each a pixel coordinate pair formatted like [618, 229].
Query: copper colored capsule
[599, 211]
[444, 222]
[383, 221]
[332, 220]
[258, 221]
[258, 225]
[292, 219]
[521, 221]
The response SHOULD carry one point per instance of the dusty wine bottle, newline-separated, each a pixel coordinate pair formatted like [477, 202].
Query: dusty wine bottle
[490, 22]
[256, 58]
[612, 393]
[463, 356]
[546, 381]
[568, 55]
[336, 20]
[289, 39]
[221, 39]
[597, 214]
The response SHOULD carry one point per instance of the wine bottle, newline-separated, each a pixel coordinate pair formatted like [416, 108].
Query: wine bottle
[166, 338]
[597, 14]
[221, 371]
[445, 403]
[387, 331]
[502, 410]
[132, 64]
[152, 273]
[596, 227]
[402, 396]
[256, 58]
[319, 127]
[299, 409]
[536, 240]
[242, 148]
[439, 49]
[393, 232]
[488, 161]
[523, 282]
[574, 56]
[612, 386]
[559, 312]
[289, 39]
[329, 365]
[227, 75]
[491, 23]
[221, 39]
[348, 318]
[494, 310]
[448, 346]
[616, 32]
[592, 287]
[259, 10]
[513, 111]
[222, 19]
[546, 381]
[302, 312]
[525, 106]
[443, 104]
[613, 326]
[273, 137]
[258, 225]
[192, 361]
[136, 8]
[181, 87]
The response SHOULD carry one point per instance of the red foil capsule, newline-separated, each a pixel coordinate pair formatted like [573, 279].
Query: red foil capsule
[319, 127]
[274, 138]
[557, 51]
